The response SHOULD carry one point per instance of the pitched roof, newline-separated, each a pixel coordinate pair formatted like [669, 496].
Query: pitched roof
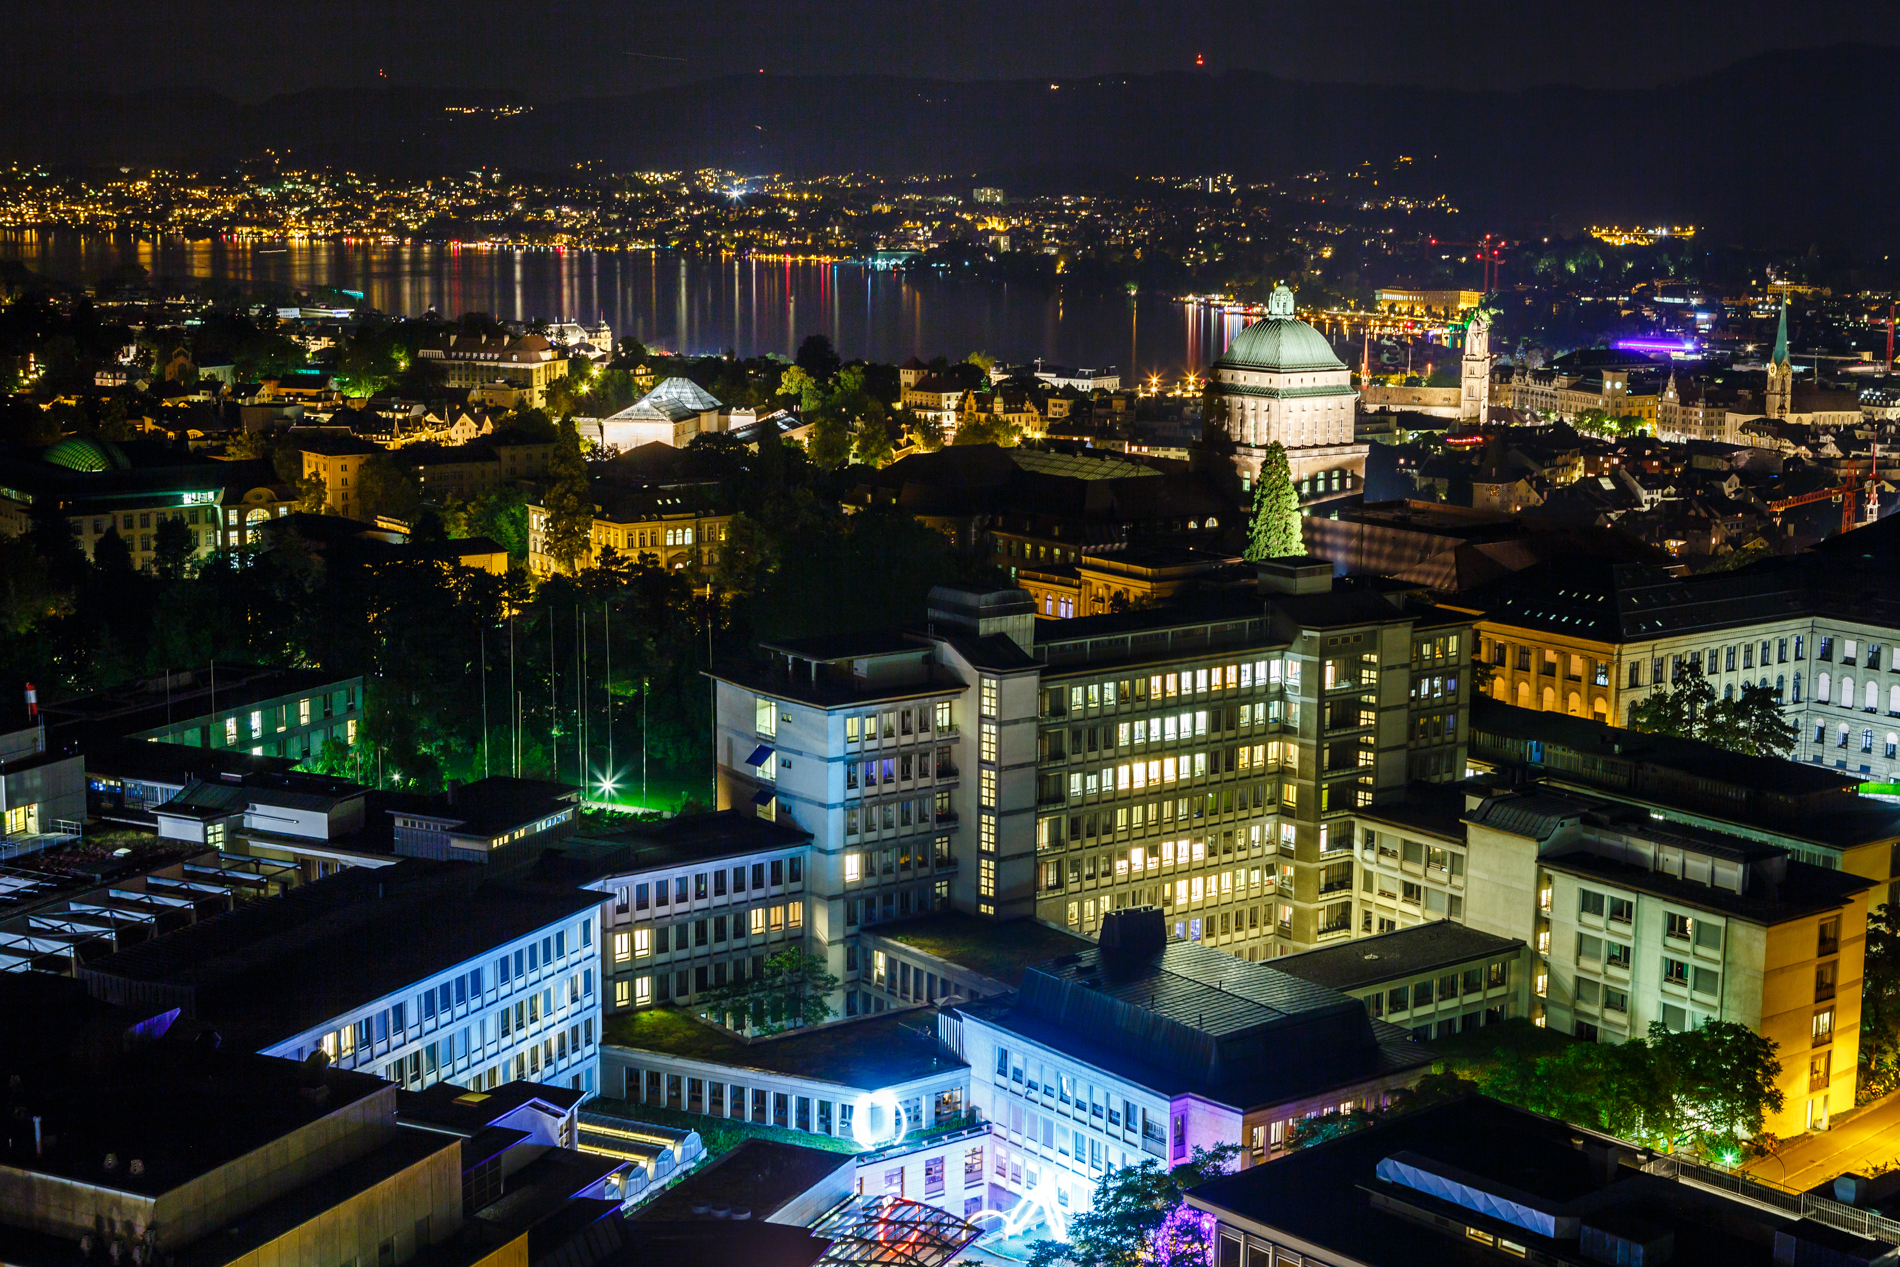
[671, 400]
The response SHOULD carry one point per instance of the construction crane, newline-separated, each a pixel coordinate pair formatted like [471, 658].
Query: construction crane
[1847, 492]
[1489, 254]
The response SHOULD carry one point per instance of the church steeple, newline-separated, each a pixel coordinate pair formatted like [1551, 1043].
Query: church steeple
[1778, 396]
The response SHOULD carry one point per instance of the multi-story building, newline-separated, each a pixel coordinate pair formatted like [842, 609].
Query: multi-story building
[1144, 1048]
[1206, 759]
[1436, 979]
[1280, 382]
[697, 903]
[338, 461]
[1596, 640]
[263, 710]
[132, 490]
[529, 362]
[145, 1142]
[1477, 1181]
[935, 398]
[676, 528]
[1634, 923]
[502, 986]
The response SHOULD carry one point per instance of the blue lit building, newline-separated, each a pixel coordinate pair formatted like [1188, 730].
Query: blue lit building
[421, 972]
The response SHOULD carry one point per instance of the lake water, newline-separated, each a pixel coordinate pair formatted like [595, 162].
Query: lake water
[687, 303]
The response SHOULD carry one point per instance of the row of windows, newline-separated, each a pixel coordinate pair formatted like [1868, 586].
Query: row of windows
[895, 724]
[707, 885]
[1060, 701]
[907, 768]
[1439, 990]
[638, 943]
[1159, 815]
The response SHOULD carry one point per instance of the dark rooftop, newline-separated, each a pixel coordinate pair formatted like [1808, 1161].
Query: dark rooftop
[1188, 1018]
[1404, 952]
[1803, 890]
[869, 1054]
[1485, 1165]
[347, 940]
[445, 1106]
[679, 841]
[1000, 951]
[489, 806]
[760, 1175]
[107, 1081]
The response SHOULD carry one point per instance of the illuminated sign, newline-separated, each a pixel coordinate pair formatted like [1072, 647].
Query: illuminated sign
[201, 498]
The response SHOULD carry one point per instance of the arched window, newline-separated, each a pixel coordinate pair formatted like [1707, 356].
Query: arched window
[1523, 694]
[1893, 745]
[1843, 738]
[1796, 698]
[1820, 688]
[1780, 682]
[1728, 691]
[1873, 697]
[1847, 691]
[1550, 699]
[1599, 710]
[1574, 705]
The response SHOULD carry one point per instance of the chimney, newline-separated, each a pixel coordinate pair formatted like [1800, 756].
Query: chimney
[448, 790]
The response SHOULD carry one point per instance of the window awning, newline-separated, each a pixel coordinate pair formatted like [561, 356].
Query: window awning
[760, 755]
[764, 797]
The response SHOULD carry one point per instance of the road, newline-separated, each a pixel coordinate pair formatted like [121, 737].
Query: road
[1869, 1139]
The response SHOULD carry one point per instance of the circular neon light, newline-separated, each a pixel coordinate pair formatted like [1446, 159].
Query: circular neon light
[861, 1117]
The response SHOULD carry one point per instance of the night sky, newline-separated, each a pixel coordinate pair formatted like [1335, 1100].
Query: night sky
[561, 48]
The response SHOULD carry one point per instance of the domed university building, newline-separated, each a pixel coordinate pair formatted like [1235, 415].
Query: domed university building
[1279, 380]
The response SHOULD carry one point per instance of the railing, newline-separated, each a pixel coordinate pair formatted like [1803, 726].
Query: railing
[1772, 1195]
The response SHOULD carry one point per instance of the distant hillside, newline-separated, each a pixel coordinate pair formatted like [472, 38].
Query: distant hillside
[1787, 150]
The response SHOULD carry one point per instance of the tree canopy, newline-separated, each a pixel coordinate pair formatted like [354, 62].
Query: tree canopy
[1275, 531]
[1139, 1218]
[1749, 722]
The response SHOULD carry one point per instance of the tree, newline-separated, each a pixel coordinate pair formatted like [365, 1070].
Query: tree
[570, 500]
[1880, 1005]
[818, 358]
[311, 494]
[1139, 1217]
[172, 547]
[983, 362]
[987, 429]
[384, 488]
[798, 384]
[831, 439]
[871, 443]
[110, 554]
[1276, 531]
[792, 991]
[925, 430]
[1751, 722]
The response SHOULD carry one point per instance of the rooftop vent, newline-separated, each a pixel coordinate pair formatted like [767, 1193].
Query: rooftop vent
[1133, 935]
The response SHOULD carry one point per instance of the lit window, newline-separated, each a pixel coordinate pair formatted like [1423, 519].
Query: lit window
[257, 724]
[756, 920]
[853, 867]
[623, 947]
[642, 991]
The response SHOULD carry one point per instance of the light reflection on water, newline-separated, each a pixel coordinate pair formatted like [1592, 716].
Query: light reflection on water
[689, 303]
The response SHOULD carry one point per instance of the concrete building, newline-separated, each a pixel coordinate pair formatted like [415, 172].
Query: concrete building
[131, 489]
[259, 709]
[1280, 382]
[502, 987]
[528, 362]
[1206, 760]
[1436, 979]
[143, 1144]
[1636, 923]
[1479, 1181]
[1144, 1048]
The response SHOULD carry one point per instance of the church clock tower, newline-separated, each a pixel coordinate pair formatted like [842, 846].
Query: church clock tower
[1778, 398]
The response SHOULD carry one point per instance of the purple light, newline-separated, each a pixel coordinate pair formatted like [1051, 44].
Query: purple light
[1656, 345]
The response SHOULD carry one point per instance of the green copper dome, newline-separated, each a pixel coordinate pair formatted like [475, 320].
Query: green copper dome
[1280, 343]
[78, 453]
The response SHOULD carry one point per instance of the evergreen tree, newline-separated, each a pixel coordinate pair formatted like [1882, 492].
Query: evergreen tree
[570, 500]
[791, 992]
[1275, 531]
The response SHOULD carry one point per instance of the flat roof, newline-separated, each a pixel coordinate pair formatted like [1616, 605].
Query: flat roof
[1804, 890]
[1002, 951]
[1332, 1197]
[760, 1175]
[866, 1054]
[1189, 1018]
[1405, 952]
[683, 840]
[345, 940]
[487, 806]
[1436, 809]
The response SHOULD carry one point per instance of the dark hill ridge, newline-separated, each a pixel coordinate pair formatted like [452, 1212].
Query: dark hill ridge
[1786, 150]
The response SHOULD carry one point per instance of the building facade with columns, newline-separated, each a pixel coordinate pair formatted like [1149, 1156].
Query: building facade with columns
[1280, 381]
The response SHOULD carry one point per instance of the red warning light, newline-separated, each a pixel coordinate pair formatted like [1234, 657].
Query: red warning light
[1199, 60]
